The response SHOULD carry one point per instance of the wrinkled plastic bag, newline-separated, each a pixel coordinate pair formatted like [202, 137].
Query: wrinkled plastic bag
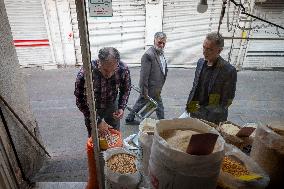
[116, 180]
[145, 141]
[268, 151]
[184, 115]
[228, 180]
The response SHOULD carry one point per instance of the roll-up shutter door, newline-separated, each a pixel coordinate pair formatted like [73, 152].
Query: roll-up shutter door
[266, 53]
[186, 29]
[29, 31]
[124, 31]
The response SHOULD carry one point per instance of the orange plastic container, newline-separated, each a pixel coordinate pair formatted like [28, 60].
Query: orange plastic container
[92, 180]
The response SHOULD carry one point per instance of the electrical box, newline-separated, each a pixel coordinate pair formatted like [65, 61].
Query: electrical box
[100, 8]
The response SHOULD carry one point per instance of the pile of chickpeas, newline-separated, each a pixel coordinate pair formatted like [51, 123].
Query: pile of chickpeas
[122, 163]
[111, 139]
[233, 167]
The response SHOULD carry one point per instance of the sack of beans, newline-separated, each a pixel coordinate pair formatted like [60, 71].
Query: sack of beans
[268, 151]
[229, 130]
[170, 166]
[121, 169]
[146, 134]
[241, 171]
[110, 139]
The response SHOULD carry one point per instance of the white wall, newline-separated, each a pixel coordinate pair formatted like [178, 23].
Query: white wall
[61, 34]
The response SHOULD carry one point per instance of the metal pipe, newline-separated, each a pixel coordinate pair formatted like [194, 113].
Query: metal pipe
[222, 15]
[86, 58]
[23, 124]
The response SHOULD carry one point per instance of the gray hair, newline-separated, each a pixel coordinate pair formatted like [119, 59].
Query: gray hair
[108, 52]
[161, 35]
[217, 38]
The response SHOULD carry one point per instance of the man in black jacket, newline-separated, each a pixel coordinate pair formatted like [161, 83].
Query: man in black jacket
[214, 84]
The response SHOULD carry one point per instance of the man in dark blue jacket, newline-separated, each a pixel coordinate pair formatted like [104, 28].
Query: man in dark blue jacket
[214, 84]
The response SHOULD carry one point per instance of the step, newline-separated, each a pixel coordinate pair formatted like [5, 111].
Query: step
[60, 185]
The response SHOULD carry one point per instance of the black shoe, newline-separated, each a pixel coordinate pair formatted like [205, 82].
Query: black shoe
[131, 122]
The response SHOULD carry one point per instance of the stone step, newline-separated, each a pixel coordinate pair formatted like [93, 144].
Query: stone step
[60, 185]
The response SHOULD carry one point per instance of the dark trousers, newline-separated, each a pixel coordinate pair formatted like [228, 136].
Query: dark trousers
[141, 102]
[107, 115]
[214, 115]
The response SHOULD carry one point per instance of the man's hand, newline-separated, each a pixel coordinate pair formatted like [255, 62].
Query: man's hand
[103, 128]
[118, 114]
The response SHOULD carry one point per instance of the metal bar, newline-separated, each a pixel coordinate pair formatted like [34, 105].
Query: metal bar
[276, 25]
[24, 125]
[222, 15]
[86, 58]
[139, 91]
[13, 146]
[252, 38]
[243, 12]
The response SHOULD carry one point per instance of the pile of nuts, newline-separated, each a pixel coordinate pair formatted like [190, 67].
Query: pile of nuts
[122, 163]
[233, 167]
[111, 139]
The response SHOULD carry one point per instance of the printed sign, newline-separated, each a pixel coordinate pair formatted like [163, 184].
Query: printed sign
[100, 8]
[202, 144]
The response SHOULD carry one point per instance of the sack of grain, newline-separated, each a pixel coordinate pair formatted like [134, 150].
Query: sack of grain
[146, 130]
[241, 171]
[229, 130]
[268, 152]
[121, 169]
[170, 167]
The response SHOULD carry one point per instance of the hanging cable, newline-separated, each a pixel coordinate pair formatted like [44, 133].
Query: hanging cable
[222, 15]
[245, 13]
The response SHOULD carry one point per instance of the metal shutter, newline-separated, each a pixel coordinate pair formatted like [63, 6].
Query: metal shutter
[29, 31]
[124, 31]
[186, 30]
[266, 53]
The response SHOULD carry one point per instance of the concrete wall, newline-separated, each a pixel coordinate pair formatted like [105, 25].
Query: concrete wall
[13, 90]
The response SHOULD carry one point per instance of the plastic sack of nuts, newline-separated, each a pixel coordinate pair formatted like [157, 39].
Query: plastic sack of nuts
[146, 134]
[240, 171]
[111, 140]
[121, 169]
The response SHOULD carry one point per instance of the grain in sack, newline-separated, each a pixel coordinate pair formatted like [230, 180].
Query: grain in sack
[241, 171]
[170, 166]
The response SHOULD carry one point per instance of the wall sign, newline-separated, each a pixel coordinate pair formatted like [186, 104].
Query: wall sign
[100, 8]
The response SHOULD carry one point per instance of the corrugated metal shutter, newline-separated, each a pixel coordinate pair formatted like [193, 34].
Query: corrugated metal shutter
[266, 53]
[186, 29]
[29, 31]
[124, 31]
